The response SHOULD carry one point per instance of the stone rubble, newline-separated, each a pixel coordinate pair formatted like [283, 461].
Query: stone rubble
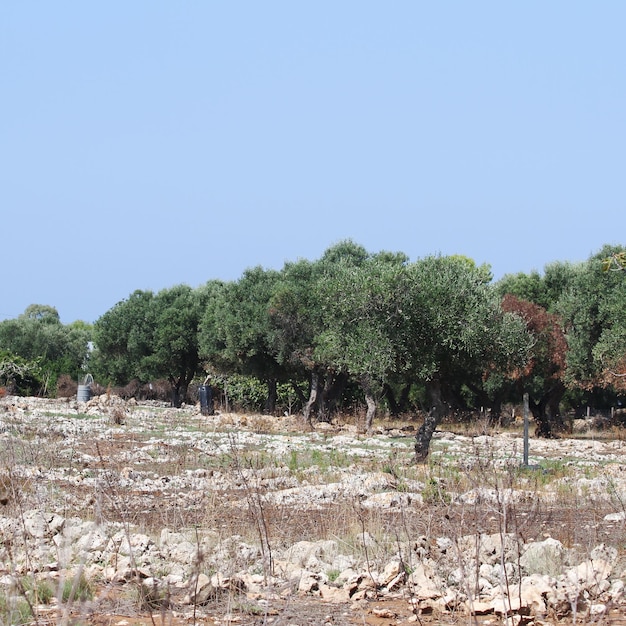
[487, 574]
[538, 578]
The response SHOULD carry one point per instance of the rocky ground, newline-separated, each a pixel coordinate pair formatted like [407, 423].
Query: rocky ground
[118, 513]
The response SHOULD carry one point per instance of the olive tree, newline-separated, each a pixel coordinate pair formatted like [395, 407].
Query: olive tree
[123, 340]
[542, 377]
[235, 330]
[456, 329]
[174, 354]
[593, 311]
[295, 318]
[302, 310]
[151, 336]
[544, 289]
[364, 323]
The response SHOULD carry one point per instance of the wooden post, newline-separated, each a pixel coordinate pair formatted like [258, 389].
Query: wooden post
[525, 430]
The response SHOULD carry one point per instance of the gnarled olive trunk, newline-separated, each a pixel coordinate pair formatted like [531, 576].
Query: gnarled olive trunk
[308, 407]
[299, 394]
[179, 391]
[434, 417]
[324, 392]
[546, 412]
[371, 411]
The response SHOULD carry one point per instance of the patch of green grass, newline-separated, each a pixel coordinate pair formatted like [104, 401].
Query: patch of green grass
[434, 492]
[317, 458]
[77, 589]
[323, 460]
[339, 458]
[14, 611]
[556, 467]
[38, 591]
[249, 608]
[402, 486]
[84, 416]
[332, 574]
[293, 461]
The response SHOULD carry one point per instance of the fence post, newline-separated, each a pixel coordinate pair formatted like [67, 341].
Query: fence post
[526, 430]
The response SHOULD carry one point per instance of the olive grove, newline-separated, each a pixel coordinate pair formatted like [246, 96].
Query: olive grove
[355, 330]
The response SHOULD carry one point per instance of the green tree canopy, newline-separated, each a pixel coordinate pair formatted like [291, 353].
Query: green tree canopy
[123, 340]
[364, 322]
[594, 312]
[306, 313]
[174, 348]
[42, 313]
[38, 337]
[544, 289]
[236, 331]
[456, 330]
[150, 336]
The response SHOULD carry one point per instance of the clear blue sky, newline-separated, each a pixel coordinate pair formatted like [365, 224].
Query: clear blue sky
[147, 143]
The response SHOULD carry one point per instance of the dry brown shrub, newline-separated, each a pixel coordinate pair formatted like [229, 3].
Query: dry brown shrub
[129, 391]
[66, 386]
[97, 389]
[118, 415]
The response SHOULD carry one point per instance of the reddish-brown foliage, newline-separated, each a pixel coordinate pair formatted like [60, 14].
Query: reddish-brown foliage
[614, 376]
[548, 353]
[66, 386]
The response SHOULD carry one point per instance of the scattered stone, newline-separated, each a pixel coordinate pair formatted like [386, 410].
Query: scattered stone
[334, 594]
[543, 557]
[40, 525]
[201, 590]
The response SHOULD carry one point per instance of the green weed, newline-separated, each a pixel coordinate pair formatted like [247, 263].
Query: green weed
[332, 574]
[434, 492]
[293, 461]
[38, 592]
[15, 612]
[77, 589]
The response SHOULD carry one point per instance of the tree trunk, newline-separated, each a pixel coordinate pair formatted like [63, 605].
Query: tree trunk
[331, 392]
[272, 394]
[495, 404]
[554, 409]
[399, 405]
[403, 402]
[323, 409]
[371, 411]
[495, 417]
[183, 391]
[308, 407]
[391, 399]
[436, 413]
[542, 421]
[180, 386]
[546, 412]
[175, 398]
[298, 391]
